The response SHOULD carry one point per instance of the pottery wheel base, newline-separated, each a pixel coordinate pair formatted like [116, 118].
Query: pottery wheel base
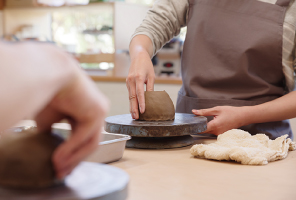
[159, 142]
[157, 134]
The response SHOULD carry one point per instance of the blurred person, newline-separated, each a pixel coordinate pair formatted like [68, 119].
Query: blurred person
[40, 80]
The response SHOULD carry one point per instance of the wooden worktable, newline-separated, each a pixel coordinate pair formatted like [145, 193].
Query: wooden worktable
[175, 175]
[161, 80]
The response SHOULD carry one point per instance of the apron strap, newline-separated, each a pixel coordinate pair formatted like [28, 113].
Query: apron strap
[283, 3]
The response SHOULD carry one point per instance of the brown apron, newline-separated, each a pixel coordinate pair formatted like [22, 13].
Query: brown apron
[233, 56]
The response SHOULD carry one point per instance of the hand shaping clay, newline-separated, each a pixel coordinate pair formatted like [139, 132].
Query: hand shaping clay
[25, 159]
[158, 107]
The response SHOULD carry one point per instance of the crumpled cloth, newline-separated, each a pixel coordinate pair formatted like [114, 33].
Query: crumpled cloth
[241, 146]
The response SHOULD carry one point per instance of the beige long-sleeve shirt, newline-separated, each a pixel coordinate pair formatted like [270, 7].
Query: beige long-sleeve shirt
[167, 17]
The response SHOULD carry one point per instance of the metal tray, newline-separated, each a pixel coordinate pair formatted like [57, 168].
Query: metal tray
[110, 148]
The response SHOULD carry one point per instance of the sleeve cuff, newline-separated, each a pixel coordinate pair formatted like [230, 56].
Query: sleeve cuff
[148, 35]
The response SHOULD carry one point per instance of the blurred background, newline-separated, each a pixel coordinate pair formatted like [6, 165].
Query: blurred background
[97, 33]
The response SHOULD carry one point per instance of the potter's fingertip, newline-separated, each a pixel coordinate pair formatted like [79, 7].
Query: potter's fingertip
[61, 176]
[58, 159]
[141, 110]
[62, 173]
[136, 116]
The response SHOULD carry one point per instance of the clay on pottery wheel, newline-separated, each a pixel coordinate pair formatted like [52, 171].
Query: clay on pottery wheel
[25, 159]
[158, 107]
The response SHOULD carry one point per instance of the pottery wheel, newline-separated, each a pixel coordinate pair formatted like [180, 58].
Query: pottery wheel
[87, 181]
[157, 134]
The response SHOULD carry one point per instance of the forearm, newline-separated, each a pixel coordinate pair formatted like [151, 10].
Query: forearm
[31, 74]
[276, 110]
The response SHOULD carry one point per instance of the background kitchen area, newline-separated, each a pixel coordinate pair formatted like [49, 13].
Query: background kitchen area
[97, 33]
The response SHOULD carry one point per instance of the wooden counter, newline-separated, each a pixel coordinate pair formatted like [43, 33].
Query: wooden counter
[161, 80]
[175, 175]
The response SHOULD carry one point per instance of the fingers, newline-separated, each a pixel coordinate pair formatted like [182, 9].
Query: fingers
[73, 160]
[140, 94]
[47, 117]
[150, 83]
[133, 98]
[80, 134]
[210, 127]
[206, 112]
[216, 126]
[86, 108]
[136, 93]
[71, 152]
[141, 72]
[225, 118]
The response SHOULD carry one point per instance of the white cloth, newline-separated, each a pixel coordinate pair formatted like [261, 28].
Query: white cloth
[241, 146]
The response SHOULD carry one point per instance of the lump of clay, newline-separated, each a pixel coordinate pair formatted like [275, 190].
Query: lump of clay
[158, 107]
[25, 159]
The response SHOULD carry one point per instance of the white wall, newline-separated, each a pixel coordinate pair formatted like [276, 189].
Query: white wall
[127, 18]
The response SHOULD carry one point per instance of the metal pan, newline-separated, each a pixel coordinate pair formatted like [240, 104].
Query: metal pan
[110, 148]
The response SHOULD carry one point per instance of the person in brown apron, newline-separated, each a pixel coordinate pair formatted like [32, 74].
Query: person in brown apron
[232, 56]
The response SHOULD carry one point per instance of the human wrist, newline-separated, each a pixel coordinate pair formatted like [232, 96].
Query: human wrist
[249, 115]
[141, 45]
[139, 52]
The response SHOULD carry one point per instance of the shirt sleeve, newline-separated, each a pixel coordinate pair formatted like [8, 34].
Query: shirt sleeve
[163, 22]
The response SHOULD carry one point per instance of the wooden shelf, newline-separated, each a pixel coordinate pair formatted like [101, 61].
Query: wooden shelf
[25, 4]
[158, 80]
[96, 58]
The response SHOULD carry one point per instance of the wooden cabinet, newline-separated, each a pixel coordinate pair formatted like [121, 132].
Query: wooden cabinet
[2, 2]
[20, 3]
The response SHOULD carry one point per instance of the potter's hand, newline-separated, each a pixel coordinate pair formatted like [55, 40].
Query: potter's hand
[228, 117]
[141, 72]
[225, 118]
[85, 107]
[48, 85]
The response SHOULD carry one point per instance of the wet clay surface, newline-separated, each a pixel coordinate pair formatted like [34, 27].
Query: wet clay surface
[158, 107]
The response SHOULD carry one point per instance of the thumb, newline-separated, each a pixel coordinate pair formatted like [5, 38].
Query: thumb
[210, 127]
[46, 118]
[205, 112]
